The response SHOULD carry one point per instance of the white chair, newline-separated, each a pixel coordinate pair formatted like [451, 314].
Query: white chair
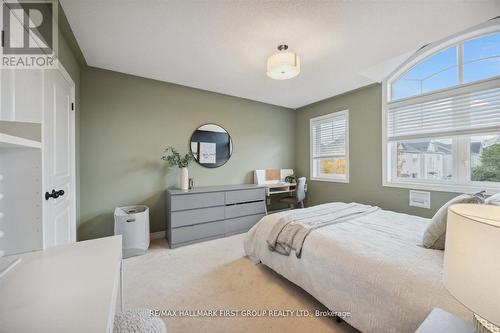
[299, 194]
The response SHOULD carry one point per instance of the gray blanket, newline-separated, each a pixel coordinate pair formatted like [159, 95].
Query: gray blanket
[291, 230]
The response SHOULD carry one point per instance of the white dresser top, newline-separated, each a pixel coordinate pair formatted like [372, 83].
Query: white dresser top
[69, 288]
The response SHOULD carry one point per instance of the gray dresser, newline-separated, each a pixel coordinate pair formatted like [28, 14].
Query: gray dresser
[211, 212]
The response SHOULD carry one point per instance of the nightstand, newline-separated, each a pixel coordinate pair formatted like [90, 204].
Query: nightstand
[440, 321]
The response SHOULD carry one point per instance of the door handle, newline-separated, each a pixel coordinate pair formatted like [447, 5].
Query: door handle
[54, 194]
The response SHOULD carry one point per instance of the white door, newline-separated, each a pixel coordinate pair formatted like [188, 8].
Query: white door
[58, 159]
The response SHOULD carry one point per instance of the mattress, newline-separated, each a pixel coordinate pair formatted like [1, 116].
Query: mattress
[370, 266]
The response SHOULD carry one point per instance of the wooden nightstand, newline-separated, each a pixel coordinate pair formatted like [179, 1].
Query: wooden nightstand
[440, 321]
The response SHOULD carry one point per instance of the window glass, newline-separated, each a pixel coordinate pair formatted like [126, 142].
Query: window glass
[485, 158]
[329, 155]
[482, 58]
[436, 72]
[330, 167]
[424, 159]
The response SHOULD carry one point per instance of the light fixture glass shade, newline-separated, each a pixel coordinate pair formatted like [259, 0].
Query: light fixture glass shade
[472, 258]
[282, 66]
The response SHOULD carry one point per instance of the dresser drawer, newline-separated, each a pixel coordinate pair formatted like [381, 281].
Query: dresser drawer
[242, 224]
[195, 216]
[198, 200]
[245, 209]
[194, 232]
[253, 194]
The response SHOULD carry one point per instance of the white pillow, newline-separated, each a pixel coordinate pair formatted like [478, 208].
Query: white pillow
[493, 200]
[435, 234]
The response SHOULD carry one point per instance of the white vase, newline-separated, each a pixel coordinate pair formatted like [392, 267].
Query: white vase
[184, 179]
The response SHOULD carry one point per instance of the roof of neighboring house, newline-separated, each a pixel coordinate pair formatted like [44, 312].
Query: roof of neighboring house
[492, 141]
[425, 147]
[443, 148]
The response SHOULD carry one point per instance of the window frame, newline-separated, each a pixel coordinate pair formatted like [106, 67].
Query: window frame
[346, 143]
[462, 182]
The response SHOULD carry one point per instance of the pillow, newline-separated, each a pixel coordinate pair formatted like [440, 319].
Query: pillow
[493, 200]
[435, 233]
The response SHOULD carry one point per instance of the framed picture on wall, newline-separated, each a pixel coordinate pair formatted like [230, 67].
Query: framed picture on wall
[207, 152]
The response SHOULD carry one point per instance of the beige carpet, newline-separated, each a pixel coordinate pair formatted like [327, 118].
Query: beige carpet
[215, 275]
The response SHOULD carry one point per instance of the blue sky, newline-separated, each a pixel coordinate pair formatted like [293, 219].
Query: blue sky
[481, 60]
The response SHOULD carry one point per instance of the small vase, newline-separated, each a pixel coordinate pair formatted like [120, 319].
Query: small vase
[184, 179]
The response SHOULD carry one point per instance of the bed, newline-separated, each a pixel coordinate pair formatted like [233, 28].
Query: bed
[370, 265]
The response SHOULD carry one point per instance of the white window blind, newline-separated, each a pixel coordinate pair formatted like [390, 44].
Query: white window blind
[330, 147]
[462, 113]
[329, 136]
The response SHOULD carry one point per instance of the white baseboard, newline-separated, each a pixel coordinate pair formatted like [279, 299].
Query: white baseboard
[157, 235]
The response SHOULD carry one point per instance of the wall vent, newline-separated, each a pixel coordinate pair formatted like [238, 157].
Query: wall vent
[420, 199]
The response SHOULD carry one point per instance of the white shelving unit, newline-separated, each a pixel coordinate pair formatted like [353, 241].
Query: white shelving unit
[20, 189]
[33, 101]
[10, 141]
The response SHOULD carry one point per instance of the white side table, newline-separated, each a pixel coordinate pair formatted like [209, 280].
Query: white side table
[440, 321]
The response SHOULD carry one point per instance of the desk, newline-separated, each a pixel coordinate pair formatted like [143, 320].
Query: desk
[274, 180]
[278, 188]
[67, 288]
[281, 187]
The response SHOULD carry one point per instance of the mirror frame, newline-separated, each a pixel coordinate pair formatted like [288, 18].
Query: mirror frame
[230, 146]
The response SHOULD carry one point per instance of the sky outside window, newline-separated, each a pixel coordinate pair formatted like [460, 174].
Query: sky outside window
[481, 60]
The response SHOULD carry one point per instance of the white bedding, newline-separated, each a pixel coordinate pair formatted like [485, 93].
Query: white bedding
[371, 266]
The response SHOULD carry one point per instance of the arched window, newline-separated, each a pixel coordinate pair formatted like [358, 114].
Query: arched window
[441, 114]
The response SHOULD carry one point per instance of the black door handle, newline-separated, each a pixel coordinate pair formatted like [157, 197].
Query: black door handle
[54, 194]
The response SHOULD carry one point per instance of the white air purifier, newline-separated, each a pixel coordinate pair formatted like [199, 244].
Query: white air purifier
[132, 223]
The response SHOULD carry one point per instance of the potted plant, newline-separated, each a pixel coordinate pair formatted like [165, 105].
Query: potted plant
[173, 158]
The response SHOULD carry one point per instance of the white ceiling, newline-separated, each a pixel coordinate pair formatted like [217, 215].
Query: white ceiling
[222, 46]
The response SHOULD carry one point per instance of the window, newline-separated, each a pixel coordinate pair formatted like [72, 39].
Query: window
[485, 158]
[424, 159]
[330, 147]
[437, 72]
[441, 113]
[481, 58]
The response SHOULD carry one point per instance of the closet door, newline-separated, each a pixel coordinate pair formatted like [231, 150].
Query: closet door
[59, 159]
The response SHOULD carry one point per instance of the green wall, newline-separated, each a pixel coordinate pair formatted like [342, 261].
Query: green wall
[127, 121]
[365, 149]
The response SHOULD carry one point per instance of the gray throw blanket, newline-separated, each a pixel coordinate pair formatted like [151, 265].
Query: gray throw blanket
[291, 230]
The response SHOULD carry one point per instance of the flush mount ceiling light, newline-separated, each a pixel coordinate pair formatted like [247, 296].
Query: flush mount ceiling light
[283, 65]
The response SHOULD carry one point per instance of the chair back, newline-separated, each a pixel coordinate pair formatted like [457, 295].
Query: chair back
[300, 189]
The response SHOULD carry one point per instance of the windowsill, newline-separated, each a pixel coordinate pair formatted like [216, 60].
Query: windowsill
[331, 180]
[453, 188]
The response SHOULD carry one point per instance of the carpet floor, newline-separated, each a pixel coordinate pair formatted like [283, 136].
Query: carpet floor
[215, 275]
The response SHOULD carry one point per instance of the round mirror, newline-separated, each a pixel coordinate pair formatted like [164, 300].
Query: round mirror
[211, 145]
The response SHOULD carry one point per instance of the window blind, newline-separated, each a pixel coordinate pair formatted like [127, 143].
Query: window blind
[329, 136]
[462, 113]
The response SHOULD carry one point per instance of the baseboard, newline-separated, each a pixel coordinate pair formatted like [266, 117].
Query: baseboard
[157, 235]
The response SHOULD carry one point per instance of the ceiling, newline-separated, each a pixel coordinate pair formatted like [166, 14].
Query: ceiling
[222, 46]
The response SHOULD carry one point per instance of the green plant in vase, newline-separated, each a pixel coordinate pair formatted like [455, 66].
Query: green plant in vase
[173, 158]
